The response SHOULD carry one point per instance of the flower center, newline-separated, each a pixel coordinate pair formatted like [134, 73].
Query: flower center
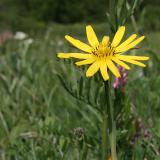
[103, 51]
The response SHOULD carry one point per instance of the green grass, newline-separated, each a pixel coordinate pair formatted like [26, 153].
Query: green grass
[38, 117]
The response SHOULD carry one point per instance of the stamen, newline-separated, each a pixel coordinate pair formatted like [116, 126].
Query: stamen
[103, 51]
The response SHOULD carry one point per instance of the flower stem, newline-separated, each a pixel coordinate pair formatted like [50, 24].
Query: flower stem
[110, 108]
[104, 137]
[111, 122]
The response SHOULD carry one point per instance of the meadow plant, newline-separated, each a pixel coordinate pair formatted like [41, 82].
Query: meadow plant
[84, 105]
[102, 56]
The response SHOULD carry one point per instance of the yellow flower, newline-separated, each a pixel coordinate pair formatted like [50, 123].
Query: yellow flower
[101, 55]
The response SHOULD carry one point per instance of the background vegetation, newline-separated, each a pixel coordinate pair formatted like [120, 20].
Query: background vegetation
[39, 120]
[30, 14]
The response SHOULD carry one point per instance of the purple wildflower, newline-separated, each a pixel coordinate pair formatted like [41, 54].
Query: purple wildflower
[141, 131]
[121, 81]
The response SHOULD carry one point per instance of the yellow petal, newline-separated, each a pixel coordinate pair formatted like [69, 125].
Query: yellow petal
[103, 69]
[92, 38]
[131, 61]
[131, 45]
[63, 55]
[116, 60]
[141, 58]
[86, 61]
[118, 36]
[78, 44]
[126, 42]
[113, 68]
[105, 40]
[93, 69]
[75, 55]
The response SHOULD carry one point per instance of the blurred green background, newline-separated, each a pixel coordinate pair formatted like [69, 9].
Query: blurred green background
[43, 114]
[29, 14]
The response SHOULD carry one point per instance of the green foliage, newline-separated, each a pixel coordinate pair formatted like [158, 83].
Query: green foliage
[40, 120]
[33, 14]
[49, 109]
[17, 12]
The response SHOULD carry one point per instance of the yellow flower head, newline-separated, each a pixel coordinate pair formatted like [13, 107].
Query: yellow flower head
[101, 55]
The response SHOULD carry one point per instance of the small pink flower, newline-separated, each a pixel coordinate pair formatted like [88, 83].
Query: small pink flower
[4, 36]
[121, 81]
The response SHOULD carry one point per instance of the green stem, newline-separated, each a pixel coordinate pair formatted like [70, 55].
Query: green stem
[113, 143]
[110, 108]
[104, 137]
[111, 121]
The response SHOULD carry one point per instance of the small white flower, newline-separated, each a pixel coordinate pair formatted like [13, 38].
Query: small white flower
[20, 35]
[28, 41]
